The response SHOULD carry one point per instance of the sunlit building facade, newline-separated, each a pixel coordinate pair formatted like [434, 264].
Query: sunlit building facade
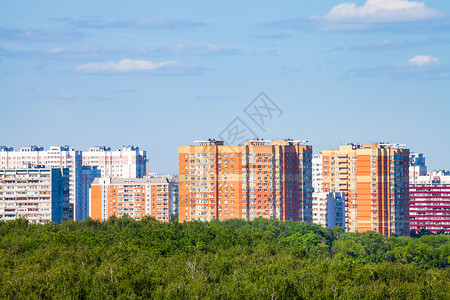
[267, 179]
[375, 180]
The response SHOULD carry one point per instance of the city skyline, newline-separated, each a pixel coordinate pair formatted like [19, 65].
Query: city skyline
[160, 75]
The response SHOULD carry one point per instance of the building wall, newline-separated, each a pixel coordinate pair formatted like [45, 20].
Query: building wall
[129, 162]
[317, 173]
[134, 197]
[375, 181]
[55, 157]
[430, 202]
[259, 179]
[417, 167]
[33, 193]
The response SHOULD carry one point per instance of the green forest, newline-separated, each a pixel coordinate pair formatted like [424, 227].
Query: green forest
[235, 259]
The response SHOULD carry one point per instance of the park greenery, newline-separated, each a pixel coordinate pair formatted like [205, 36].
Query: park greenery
[234, 259]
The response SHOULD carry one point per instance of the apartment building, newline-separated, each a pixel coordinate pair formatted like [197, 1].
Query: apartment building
[128, 162]
[375, 180]
[317, 173]
[83, 167]
[61, 157]
[134, 197]
[417, 167]
[268, 179]
[328, 209]
[430, 202]
[35, 194]
[173, 190]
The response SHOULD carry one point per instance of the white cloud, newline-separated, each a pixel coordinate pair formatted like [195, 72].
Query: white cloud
[397, 15]
[418, 67]
[55, 50]
[374, 11]
[125, 66]
[423, 60]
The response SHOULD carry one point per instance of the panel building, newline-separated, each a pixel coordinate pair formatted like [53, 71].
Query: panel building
[417, 167]
[82, 167]
[134, 197]
[128, 162]
[375, 180]
[56, 157]
[268, 179]
[430, 202]
[35, 194]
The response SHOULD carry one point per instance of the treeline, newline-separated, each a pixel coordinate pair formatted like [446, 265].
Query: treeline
[235, 259]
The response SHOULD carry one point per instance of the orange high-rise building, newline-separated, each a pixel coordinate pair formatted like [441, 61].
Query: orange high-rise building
[135, 197]
[268, 179]
[374, 178]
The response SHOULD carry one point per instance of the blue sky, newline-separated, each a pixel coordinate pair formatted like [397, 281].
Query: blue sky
[159, 74]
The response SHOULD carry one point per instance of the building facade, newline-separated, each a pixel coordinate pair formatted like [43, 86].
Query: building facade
[317, 173]
[417, 167]
[329, 209]
[375, 180]
[173, 190]
[134, 197]
[83, 167]
[268, 179]
[61, 157]
[35, 194]
[128, 162]
[430, 202]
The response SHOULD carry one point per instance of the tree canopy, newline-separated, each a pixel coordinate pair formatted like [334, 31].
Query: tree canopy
[234, 259]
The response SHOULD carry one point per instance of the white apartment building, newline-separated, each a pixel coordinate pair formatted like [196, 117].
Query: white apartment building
[317, 173]
[417, 167]
[56, 157]
[329, 209]
[35, 194]
[319, 208]
[83, 167]
[128, 162]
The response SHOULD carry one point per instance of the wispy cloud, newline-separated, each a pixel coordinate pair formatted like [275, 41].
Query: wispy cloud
[39, 35]
[60, 96]
[136, 66]
[392, 45]
[419, 66]
[216, 97]
[88, 52]
[193, 49]
[373, 15]
[423, 60]
[155, 23]
[272, 36]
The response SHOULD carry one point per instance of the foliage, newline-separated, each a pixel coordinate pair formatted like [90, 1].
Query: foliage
[262, 259]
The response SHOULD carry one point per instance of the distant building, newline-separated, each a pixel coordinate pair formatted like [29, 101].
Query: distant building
[329, 209]
[173, 190]
[335, 210]
[35, 194]
[129, 162]
[56, 157]
[83, 167]
[267, 179]
[375, 181]
[134, 197]
[417, 167]
[430, 202]
[317, 173]
[88, 174]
